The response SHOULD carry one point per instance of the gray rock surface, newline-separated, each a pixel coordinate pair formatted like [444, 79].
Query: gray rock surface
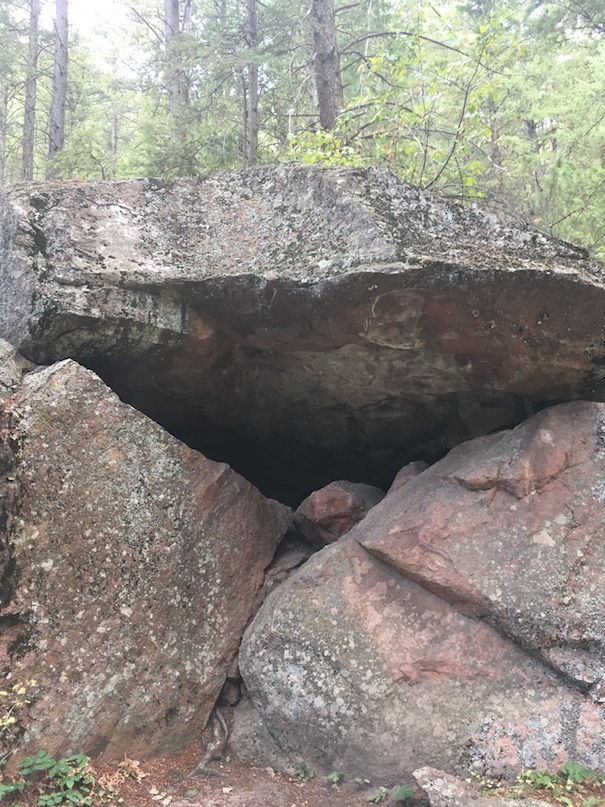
[129, 566]
[447, 791]
[301, 317]
[12, 368]
[401, 645]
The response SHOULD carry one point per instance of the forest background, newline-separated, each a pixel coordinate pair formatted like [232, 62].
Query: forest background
[493, 102]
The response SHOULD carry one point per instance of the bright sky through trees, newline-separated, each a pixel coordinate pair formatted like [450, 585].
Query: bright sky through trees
[499, 103]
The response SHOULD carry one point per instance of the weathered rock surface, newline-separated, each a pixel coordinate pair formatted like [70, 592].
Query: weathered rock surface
[511, 528]
[378, 656]
[409, 471]
[447, 791]
[302, 318]
[330, 512]
[12, 368]
[129, 565]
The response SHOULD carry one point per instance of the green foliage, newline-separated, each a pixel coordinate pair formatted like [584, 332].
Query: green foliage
[571, 785]
[570, 776]
[327, 148]
[304, 772]
[67, 781]
[379, 796]
[64, 781]
[402, 793]
[573, 773]
[335, 777]
[496, 102]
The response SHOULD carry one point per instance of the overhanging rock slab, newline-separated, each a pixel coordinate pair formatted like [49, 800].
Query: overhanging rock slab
[302, 317]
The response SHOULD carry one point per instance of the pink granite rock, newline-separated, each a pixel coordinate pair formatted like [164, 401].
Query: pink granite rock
[130, 565]
[328, 513]
[409, 471]
[460, 625]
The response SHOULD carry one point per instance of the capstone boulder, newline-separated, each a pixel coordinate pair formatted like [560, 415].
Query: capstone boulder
[332, 321]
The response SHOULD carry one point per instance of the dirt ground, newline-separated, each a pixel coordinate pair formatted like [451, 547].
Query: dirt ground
[167, 783]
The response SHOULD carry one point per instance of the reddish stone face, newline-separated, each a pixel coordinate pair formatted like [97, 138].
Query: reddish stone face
[134, 564]
[461, 622]
[328, 513]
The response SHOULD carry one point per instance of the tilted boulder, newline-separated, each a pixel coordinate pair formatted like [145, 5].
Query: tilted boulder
[333, 321]
[510, 528]
[378, 656]
[130, 564]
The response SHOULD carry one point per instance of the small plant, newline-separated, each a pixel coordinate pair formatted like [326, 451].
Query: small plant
[379, 796]
[108, 794]
[67, 780]
[335, 777]
[573, 785]
[542, 780]
[14, 703]
[402, 793]
[575, 774]
[304, 772]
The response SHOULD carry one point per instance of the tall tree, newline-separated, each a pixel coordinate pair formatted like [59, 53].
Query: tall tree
[3, 129]
[326, 78]
[251, 122]
[176, 76]
[59, 96]
[31, 85]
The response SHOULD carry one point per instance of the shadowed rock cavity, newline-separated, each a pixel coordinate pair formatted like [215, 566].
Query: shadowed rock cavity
[302, 324]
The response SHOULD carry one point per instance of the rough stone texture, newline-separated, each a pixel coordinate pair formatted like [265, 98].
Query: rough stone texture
[328, 513]
[409, 471]
[401, 644]
[129, 565]
[352, 667]
[12, 368]
[447, 791]
[511, 528]
[300, 317]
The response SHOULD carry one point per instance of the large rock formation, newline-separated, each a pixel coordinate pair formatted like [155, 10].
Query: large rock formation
[129, 567]
[305, 325]
[334, 321]
[460, 625]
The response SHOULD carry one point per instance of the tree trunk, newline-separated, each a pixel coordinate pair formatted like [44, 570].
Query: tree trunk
[494, 145]
[251, 90]
[113, 146]
[3, 127]
[326, 80]
[59, 97]
[31, 86]
[176, 78]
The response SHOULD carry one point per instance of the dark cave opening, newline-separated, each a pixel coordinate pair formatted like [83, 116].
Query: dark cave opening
[288, 464]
